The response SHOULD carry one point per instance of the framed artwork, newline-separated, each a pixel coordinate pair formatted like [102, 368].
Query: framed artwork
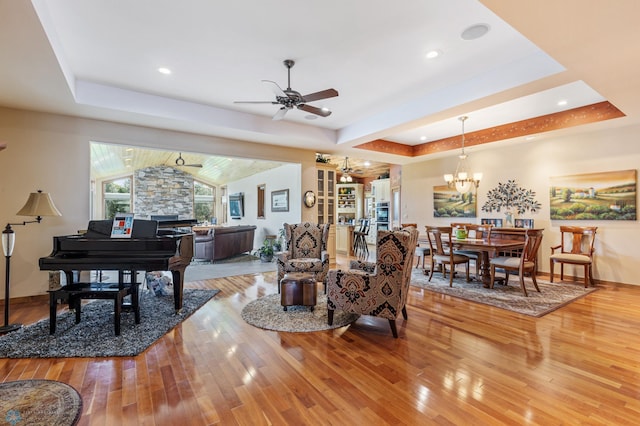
[594, 196]
[448, 202]
[523, 223]
[490, 221]
[280, 200]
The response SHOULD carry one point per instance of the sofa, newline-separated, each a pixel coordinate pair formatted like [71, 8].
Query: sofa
[221, 242]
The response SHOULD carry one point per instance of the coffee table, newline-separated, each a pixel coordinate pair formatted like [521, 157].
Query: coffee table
[298, 288]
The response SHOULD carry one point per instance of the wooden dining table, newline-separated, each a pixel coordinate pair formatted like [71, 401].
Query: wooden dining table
[488, 248]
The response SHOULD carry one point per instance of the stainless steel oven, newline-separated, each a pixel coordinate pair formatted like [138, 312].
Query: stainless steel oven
[382, 215]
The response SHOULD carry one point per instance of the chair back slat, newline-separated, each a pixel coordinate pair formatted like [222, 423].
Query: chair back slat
[578, 239]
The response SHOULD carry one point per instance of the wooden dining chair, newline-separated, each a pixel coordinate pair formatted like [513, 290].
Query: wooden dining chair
[439, 243]
[526, 263]
[474, 231]
[575, 248]
[421, 253]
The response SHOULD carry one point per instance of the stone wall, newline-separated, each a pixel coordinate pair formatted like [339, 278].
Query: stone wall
[162, 190]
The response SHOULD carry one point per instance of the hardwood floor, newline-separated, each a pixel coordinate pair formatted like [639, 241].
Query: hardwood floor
[454, 362]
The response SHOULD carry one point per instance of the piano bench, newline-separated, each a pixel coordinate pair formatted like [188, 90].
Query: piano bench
[75, 292]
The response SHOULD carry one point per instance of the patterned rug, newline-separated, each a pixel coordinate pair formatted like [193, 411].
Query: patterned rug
[39, 402]
[94, 336]
[510, 297]
[267, 312]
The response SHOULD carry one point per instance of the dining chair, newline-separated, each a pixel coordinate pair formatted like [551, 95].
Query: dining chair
[474, 231]
[576, 248]
[421, 253]
[523, 264]
[439, 242]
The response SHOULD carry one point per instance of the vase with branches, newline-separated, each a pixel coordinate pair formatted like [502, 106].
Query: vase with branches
[512, 198]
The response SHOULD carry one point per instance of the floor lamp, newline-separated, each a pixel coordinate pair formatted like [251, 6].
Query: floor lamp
[39, 204]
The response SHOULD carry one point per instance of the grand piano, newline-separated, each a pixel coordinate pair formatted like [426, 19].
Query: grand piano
[148, 249]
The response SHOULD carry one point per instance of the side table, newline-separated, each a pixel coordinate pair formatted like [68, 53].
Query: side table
[298, 288]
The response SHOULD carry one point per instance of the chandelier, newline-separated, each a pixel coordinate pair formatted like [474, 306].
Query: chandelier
[461, 180]
[346, 170]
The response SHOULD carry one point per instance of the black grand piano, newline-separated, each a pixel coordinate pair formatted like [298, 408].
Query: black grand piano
[148, 249]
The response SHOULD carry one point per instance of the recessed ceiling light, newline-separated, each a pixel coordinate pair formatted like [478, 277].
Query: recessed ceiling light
[163, 70]
[562, 102]
[367, 163]
[310, 117]
[433, 54]
[423, 138]
[475, 31]
[529, 138]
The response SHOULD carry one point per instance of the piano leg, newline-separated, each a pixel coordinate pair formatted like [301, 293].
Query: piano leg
[53, 305]
[178, 277]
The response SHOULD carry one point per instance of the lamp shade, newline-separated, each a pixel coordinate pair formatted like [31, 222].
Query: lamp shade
[39, 204]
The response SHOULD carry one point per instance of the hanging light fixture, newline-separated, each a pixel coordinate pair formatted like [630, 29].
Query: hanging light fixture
[461, 180]
[346, 170]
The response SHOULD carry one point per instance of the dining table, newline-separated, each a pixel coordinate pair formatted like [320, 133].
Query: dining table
[487, 247]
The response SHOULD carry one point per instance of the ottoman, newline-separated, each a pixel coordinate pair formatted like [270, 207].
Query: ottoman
[298, 288]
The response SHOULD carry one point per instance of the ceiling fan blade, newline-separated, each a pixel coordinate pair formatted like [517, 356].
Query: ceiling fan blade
[277, 90]
[280, 114]
[314, 110]
[324, 94]
[255, 102]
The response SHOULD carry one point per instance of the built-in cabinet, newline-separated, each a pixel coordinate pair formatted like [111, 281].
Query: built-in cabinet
[349, 202]
[381, 190]
[326, 202]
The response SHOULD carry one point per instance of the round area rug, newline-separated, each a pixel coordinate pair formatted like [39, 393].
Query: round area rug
[39, 402]
[266, 312]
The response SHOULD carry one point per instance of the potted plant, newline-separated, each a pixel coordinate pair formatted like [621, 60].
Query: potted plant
[512, 198]
[265, 252]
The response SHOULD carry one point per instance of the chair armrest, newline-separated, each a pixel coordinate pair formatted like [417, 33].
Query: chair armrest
[554, 248]
[358, 265]
[283, 256]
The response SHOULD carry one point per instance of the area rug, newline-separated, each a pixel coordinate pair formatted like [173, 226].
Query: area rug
[94, 336]
[267, 313]
[510, 297]
[39, 402]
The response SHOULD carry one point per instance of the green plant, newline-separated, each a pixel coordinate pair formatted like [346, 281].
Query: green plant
[266, 250]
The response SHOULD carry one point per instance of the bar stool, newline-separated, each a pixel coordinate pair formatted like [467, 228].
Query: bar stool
[360, 248]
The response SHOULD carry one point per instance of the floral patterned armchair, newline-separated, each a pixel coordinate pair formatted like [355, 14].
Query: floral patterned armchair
[377, 289]
[305, 250]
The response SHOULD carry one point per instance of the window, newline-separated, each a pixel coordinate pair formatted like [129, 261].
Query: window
[117, 197]
[204, 201]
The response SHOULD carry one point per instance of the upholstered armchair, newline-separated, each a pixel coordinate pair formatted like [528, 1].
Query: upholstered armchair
[305, 250]
[378, 289]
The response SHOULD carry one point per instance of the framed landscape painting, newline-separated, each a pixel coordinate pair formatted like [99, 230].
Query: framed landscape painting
[594, 196]
[448, 202]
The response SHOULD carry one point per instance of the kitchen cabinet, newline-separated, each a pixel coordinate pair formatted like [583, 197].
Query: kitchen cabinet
[381, 190]
[344, 239]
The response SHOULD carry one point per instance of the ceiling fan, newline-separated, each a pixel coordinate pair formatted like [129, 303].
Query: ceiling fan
[290, 98]
[180, 162]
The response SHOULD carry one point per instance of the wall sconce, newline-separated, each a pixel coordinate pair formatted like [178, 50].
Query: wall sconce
[39, 204]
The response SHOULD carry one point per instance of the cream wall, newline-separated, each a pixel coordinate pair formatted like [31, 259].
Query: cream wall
[532, 164]
[51, 152]
[284, 177]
